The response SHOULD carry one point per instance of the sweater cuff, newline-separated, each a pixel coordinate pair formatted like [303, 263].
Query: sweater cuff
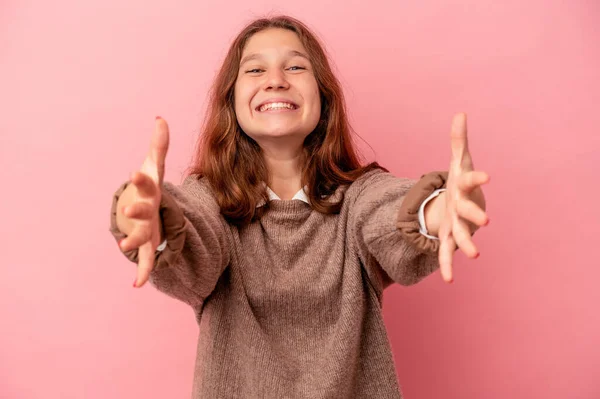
[173, 221]
[422, 224]
[408, 215]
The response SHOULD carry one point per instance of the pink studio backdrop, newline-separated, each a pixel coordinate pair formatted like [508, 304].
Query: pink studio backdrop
[82, 81]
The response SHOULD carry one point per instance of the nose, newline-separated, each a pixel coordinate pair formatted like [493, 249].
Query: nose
[276, 80]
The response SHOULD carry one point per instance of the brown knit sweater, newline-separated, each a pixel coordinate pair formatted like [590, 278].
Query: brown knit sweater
[290, 306]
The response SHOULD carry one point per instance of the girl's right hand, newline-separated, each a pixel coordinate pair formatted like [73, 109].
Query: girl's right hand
[138, 214]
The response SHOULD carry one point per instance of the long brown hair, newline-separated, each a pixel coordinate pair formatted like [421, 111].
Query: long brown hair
[233, 163]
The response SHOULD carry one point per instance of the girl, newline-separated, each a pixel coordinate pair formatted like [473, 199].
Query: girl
[279, 239]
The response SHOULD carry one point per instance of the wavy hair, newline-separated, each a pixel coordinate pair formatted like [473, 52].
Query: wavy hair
[233, 163]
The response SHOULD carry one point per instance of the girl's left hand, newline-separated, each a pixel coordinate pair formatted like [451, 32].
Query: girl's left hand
[465, 203]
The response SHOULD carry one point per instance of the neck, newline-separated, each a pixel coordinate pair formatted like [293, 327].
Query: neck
[285, 171]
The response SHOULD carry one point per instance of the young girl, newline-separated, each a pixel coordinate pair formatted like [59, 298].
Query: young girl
[280, 240]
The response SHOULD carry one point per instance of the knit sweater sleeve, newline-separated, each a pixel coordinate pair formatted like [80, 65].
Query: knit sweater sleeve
[197, 252]
[385, 224]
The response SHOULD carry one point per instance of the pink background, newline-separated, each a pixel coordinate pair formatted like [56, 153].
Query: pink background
[81, 83]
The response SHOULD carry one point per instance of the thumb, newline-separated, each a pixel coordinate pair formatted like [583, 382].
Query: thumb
[159, 145]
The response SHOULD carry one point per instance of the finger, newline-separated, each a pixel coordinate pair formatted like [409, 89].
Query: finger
[139, 210]
[144, 183]
[463, 239]
[458, 138]
[145, 264]
[470, 211]
[445, 255]
[139, 236]
[469, 181]
[159, 145]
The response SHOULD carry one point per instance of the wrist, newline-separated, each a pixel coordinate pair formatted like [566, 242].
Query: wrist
[434, 214]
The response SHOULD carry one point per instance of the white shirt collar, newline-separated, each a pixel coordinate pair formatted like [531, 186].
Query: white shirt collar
[300, 195]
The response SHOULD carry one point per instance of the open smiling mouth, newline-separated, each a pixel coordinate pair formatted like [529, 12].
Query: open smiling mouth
[277, 106]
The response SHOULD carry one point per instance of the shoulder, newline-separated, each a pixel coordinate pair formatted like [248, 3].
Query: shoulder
[197, 184]
[193, 189]
[376, 180]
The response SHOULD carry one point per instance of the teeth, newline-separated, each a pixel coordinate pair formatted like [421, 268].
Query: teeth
[275, 106]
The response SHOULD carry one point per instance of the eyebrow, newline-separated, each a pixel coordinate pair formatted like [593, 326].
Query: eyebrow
[254, 56]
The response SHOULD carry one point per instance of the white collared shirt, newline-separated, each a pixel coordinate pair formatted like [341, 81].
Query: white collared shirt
[301, 195]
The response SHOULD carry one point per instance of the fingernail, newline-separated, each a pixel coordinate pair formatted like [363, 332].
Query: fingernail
[477, 256]
[487, 222]
[134, 283]
[451, 281]
[158, 117]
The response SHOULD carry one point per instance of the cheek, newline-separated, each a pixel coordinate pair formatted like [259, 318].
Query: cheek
[237, 106]
[316, 100]
[240, 101]
[308, 88]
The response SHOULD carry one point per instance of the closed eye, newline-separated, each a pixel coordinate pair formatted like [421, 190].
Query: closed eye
[255, 70]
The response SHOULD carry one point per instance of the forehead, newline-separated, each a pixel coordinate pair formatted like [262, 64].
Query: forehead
[272, 41]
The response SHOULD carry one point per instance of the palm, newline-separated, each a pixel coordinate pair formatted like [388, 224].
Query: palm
[464, 201]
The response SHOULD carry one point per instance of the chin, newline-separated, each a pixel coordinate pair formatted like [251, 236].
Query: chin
[279, 132]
